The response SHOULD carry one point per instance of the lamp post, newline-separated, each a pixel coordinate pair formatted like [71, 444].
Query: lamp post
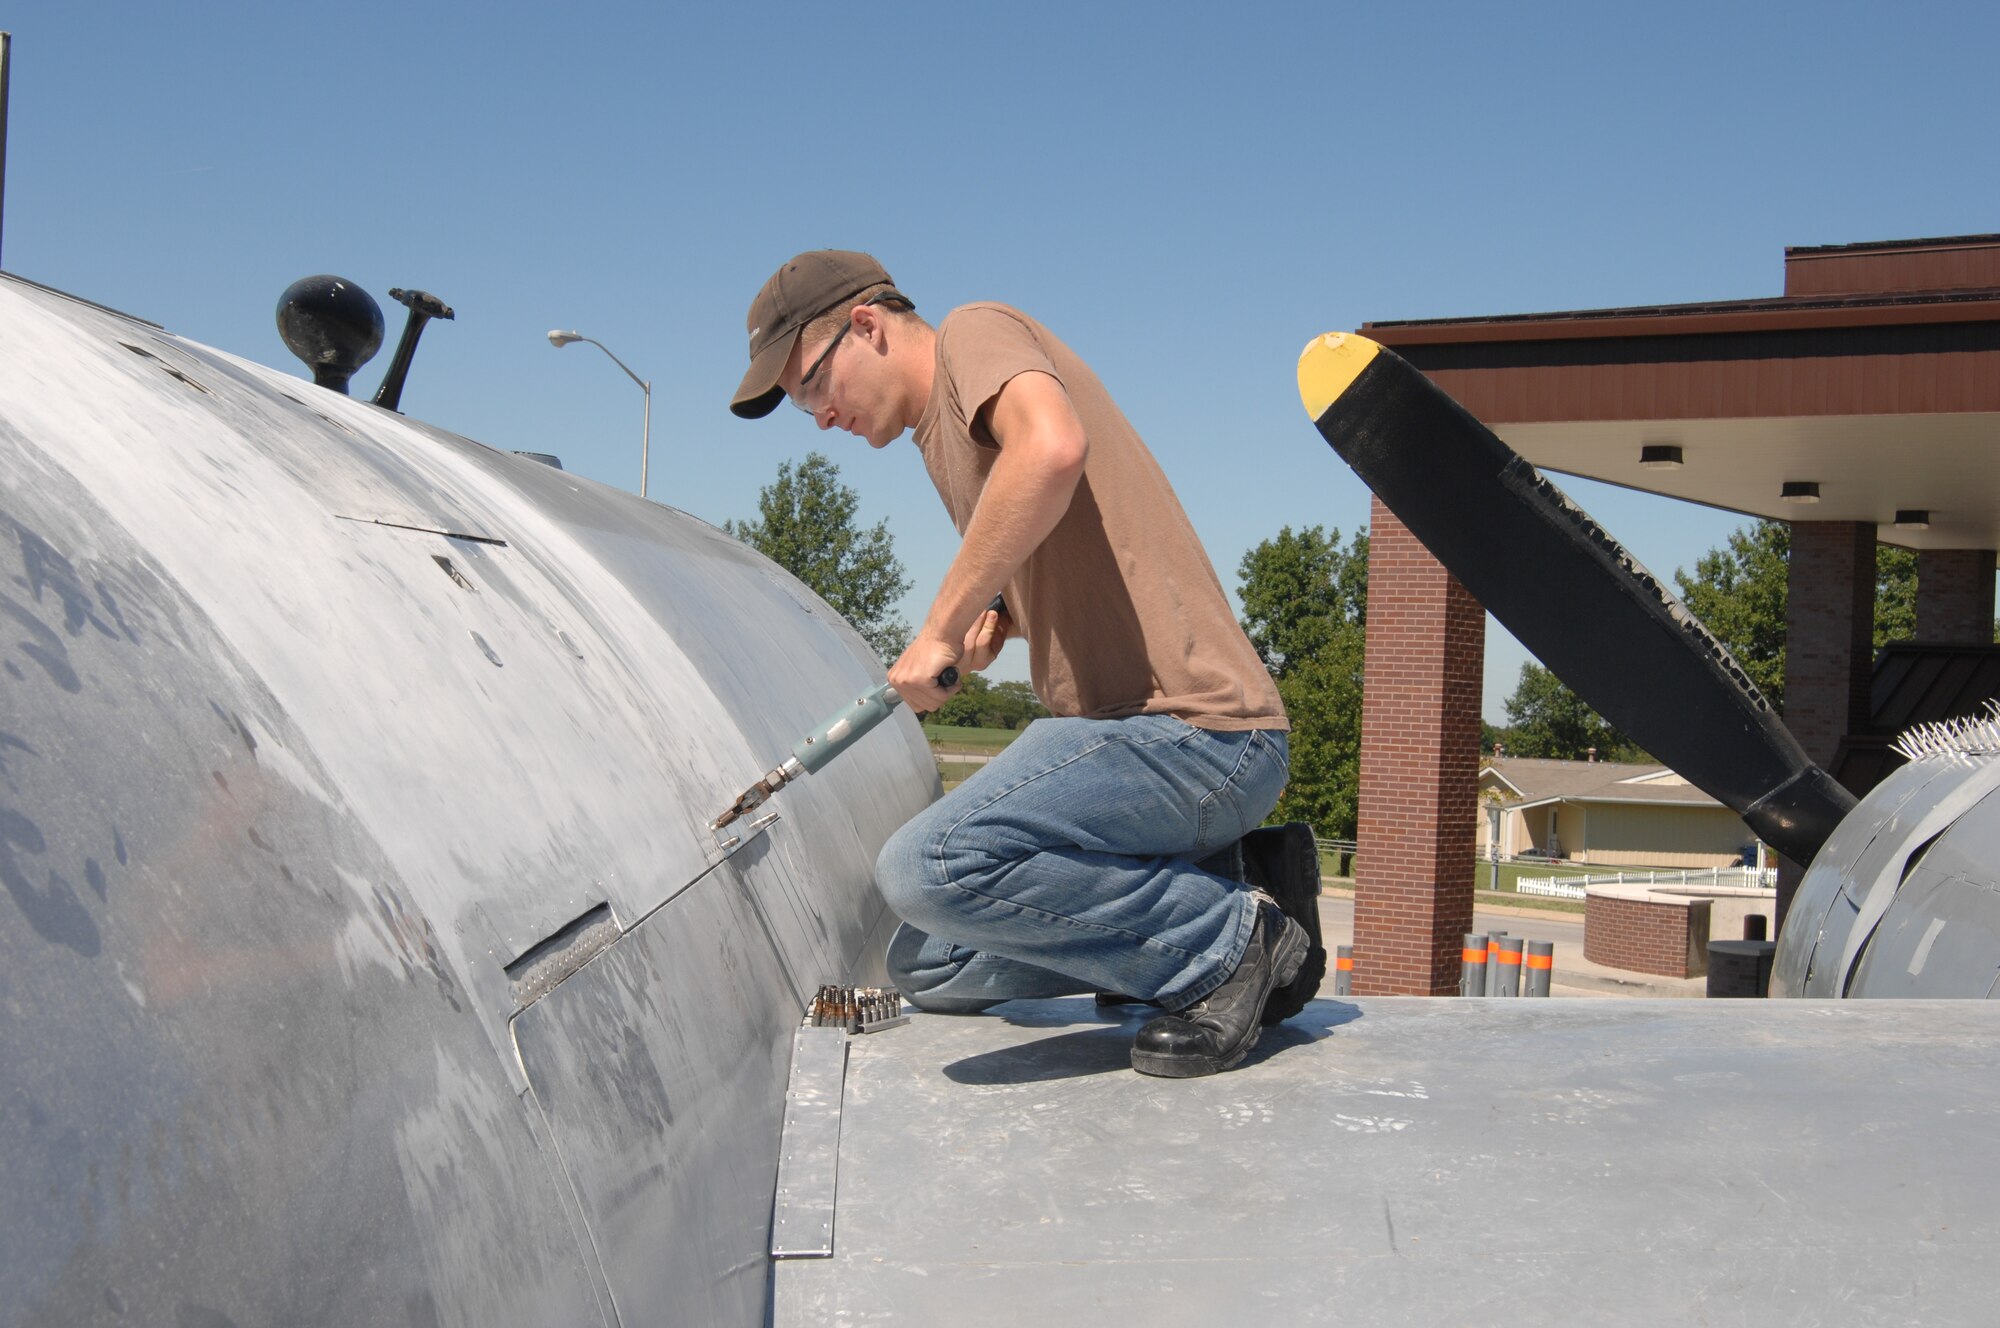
[559, 339]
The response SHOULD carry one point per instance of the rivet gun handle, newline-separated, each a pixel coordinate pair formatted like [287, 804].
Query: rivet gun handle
[845, 728]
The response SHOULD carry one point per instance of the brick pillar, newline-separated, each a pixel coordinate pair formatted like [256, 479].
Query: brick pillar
[1829, 645]
[1829, 633]
[1419, 768]
[1955, 596]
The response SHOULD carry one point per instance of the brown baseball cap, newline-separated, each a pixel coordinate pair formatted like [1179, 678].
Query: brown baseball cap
[797, 293]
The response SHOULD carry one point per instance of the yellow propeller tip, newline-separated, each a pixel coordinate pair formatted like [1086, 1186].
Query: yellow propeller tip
[1328, 366]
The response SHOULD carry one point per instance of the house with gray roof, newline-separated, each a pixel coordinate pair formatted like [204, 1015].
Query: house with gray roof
[1603, 813]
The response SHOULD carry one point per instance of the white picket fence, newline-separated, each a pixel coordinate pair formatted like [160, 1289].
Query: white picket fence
[1573, 887]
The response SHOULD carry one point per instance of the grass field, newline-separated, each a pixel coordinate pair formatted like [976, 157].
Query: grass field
[948, 738]
[1542, 902]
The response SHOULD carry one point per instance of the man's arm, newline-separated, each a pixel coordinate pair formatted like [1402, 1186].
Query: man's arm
[1042, 451]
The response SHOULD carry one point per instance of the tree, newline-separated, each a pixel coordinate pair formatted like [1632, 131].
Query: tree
[1015, 705]
[1545, 718]
[1322, 696]
[1298, 589]
[1305, 609]
[979, 704]
[806, 525]
[1739, 594]
[963, 708]
[1895, 594]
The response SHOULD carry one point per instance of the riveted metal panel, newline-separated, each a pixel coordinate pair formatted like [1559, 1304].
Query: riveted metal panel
[315, 722]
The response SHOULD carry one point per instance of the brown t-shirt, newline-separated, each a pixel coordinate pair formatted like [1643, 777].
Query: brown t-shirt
[1122, 613]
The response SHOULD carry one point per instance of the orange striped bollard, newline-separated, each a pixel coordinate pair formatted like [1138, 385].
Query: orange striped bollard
[1493, 940]
[1472, 977]
[1541, 964]
[1343, 970]
[1503, 967]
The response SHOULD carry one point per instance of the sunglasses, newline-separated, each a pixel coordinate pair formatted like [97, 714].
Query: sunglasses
[806, 398]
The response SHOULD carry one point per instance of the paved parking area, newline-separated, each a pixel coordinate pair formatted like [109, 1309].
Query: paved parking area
[1573, 976]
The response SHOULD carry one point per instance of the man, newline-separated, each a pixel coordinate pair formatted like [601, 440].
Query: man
[1068, 863]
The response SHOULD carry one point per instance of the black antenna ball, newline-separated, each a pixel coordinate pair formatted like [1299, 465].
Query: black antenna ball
[332, 324]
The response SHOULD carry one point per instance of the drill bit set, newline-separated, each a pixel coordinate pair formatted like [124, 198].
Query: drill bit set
[856, 1009]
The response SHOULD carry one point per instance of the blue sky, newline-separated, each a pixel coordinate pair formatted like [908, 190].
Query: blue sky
[1185, 193]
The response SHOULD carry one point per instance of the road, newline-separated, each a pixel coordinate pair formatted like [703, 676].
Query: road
[1573, 975]
[1336, 920]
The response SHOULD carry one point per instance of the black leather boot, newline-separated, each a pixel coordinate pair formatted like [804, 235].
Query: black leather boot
[1216, 1032]
[1283, 862]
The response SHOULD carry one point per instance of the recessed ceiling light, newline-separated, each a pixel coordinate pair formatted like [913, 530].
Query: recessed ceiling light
[1913, 518]
[1660, 456]
[1800, 491]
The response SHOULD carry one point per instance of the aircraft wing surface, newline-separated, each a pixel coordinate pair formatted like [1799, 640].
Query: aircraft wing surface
[1422, 1162]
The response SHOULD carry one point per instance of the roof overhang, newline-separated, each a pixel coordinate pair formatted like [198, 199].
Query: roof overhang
[1868, 467]
[1888, 401]
[1709, 804]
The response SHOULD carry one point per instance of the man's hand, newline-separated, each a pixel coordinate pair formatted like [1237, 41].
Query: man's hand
[990, 631]
[914, 674]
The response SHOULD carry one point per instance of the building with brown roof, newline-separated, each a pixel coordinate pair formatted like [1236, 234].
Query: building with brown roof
[1861, 404]
[1604, 813]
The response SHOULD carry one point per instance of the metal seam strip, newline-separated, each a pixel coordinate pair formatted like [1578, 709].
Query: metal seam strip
[809, 1151]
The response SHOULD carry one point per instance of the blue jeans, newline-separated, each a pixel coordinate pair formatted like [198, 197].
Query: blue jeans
[1066, 865]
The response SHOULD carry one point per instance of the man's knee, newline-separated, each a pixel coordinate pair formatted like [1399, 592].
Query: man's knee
[926, 868]
[901, 873]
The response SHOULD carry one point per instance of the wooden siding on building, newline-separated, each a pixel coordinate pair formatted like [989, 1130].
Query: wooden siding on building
[1664, 836]
[1955, 263]
[1900, 327]
[1618, 835]
[1926, 368]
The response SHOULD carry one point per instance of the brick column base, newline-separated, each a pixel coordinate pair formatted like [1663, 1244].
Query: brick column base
[1419, 768]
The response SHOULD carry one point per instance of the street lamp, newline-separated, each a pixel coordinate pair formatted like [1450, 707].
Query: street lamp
[559, 339]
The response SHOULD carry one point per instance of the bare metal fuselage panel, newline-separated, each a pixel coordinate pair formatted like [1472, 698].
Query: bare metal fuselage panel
[365, 954]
